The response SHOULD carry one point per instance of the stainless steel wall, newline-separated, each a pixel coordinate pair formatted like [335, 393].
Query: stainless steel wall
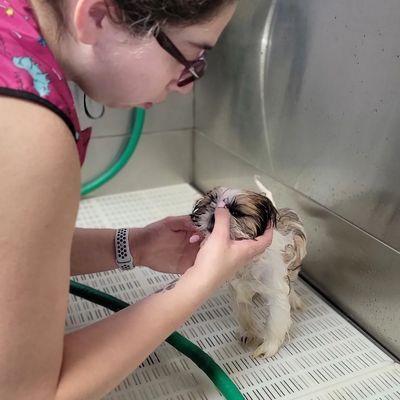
[307, 92]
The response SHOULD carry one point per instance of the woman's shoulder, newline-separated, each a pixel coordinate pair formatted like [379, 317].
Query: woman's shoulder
[30, 130]
[31, 72]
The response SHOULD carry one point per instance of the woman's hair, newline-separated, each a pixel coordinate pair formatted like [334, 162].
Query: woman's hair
[141, 17]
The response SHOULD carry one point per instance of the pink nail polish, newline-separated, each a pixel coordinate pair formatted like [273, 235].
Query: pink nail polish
[194, 239]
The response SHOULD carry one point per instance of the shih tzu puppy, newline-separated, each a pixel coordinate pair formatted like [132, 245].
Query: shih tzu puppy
[270, 274]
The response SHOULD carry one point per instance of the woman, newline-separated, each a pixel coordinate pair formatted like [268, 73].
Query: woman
[123, 54]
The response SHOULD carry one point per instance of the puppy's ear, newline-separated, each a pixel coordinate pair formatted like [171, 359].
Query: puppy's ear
[294, 253]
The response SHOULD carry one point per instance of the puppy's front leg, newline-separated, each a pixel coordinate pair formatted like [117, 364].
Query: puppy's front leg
[278, 322]
[242, 307]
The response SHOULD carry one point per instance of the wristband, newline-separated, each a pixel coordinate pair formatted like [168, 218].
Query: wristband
[123, 256]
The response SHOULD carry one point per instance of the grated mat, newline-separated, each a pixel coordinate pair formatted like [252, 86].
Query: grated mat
[326, 358]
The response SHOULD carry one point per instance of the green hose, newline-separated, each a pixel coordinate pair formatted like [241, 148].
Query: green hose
[125, 156]
[189, 349]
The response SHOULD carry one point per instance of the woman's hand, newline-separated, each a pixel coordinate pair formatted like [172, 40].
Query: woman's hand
[220, 257]
[166, 245]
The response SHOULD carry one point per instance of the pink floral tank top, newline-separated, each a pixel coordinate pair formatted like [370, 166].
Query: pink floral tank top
[30, 71]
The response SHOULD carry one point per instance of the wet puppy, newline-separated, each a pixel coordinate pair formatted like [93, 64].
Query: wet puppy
[270, 274]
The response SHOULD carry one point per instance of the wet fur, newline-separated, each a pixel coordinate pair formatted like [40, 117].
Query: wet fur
[271, 274]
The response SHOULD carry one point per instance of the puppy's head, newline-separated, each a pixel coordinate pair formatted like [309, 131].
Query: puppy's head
[251, 213]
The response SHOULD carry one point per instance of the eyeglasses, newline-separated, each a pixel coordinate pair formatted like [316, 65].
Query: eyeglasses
[193, 69]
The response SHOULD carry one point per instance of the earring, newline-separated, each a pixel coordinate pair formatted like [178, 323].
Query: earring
[87, 111]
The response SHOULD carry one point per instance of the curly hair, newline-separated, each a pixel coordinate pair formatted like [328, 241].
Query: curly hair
[141, 17]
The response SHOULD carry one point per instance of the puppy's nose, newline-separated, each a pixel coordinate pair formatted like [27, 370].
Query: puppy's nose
[211, 223]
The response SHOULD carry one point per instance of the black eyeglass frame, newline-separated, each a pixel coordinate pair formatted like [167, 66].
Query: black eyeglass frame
[195, 68]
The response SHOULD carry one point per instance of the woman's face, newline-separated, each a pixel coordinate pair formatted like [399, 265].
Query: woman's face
[124, 71]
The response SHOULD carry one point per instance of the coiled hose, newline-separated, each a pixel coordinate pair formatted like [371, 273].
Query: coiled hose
[185, 346]
[109, 173]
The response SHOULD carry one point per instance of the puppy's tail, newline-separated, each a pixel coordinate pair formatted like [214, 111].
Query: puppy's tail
[263, 189]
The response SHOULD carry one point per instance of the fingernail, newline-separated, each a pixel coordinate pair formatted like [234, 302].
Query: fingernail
[221, 204]
[194, 239]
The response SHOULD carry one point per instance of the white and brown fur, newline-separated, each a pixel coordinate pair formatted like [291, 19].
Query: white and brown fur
[270, 274]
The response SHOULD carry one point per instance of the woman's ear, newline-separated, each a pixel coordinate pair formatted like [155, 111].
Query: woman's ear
[89, 19]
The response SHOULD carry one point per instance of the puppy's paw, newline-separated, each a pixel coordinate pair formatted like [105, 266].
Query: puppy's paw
[248, 336]
[268, 348]
[296, 303]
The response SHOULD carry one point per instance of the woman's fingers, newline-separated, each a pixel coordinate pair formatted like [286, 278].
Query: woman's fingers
[266, 237]
[222, 222]
[263, 241]
[182, 223]
[259, 245]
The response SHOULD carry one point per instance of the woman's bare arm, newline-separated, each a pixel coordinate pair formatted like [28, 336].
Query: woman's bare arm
[97, 358]
[93, 250]
[39, 198]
